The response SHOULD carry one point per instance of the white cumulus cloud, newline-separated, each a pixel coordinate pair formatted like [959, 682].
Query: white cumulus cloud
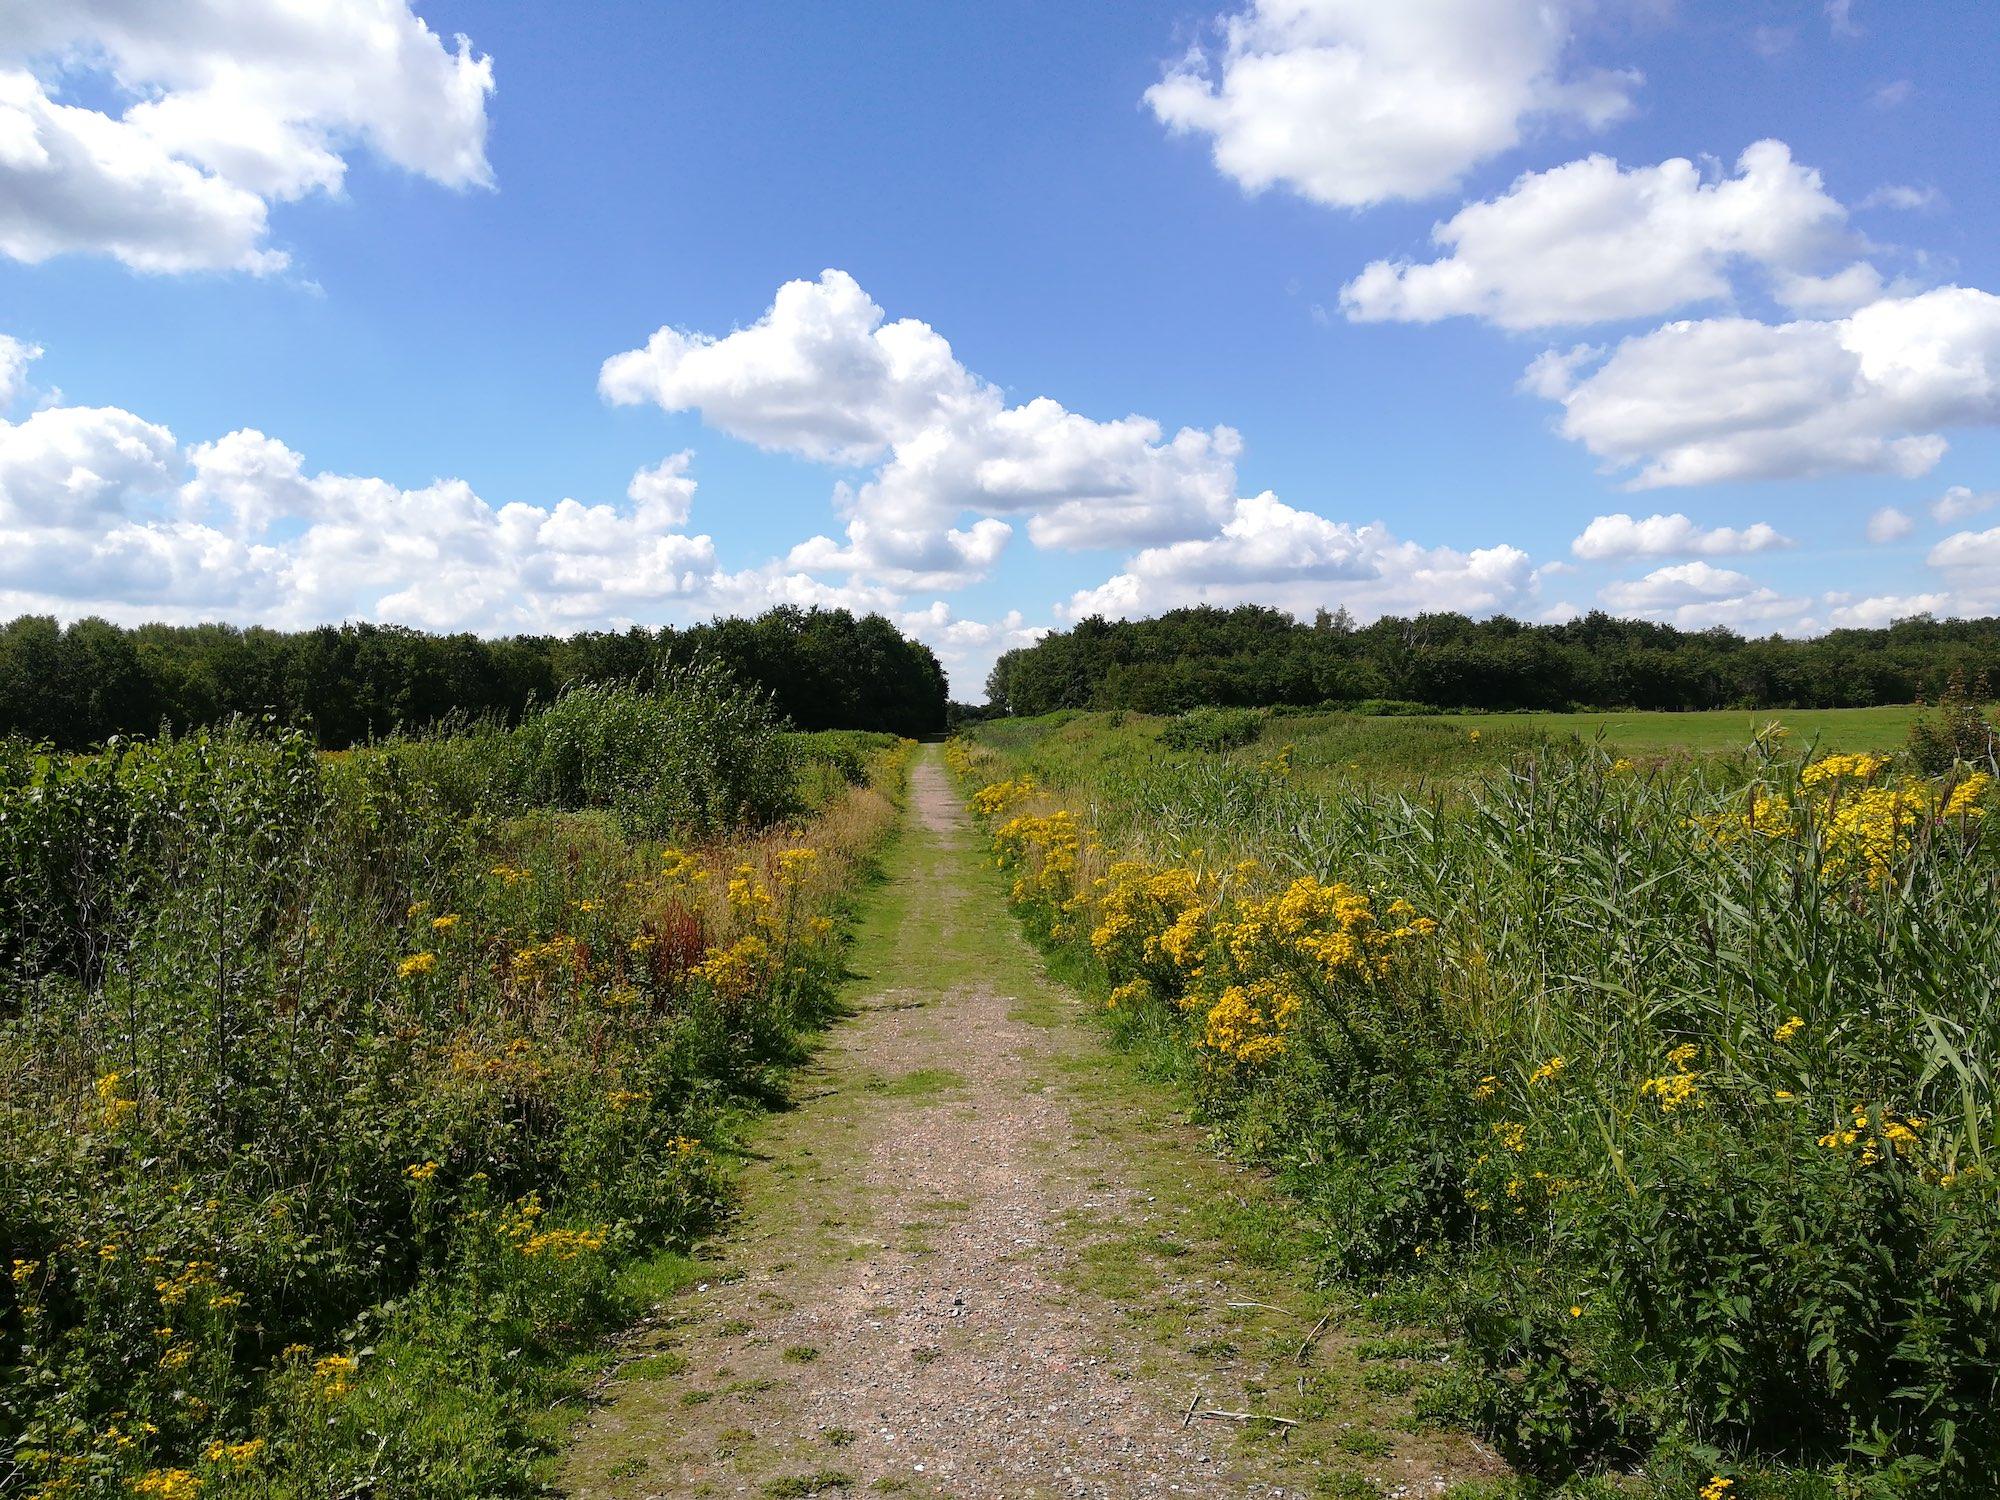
[1591, 241]
[1969, 551]
[1696, 595]
[1878, 610]
[15, 357]
[71, 468]
[967, 648]
[1960, 503]
[824, 375]
[1888, 524]
[1355, 102]
[222, 107]
[1620, 535]
[1272, 553]
[1694, 402]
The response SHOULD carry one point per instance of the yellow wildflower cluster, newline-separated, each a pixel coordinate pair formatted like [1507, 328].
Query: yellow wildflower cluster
[1864, 826]
[1871, 831]
[114, 1105]
[1244, 964]
[1328, 932]
[795, 865]
[415, 964]
[234, 1455]
[679, 866]
[1310, 938]
[333, 1376]
[1788, 1028]
[174, 1291]
[167, 1484]
[1834, 768]
[735, 970]
[748, 898]
[1680, 1086]
[1549, 1071]
[1131, 993]
[1046, 850]
[991, 801]
[620, 1099]
[445, 923]
[534, 960]
[1248, 1021]
[510, 874]
[562, 1244]
[422, 1171]
[1887, 1128]
[1762, 813]
[1150, 921]
[958, 757]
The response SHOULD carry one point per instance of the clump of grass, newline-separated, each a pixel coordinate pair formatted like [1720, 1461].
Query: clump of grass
[818, 1482]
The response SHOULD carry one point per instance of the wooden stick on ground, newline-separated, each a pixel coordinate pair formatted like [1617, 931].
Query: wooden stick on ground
[1250, 1416]
[1313, 1338]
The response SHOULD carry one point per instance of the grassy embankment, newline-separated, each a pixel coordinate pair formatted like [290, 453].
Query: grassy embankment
[1663, 1082]
[344, 1104]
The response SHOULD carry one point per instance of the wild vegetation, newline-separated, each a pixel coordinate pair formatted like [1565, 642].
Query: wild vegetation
[76, 686]
[1252, 657]
[345, 1098]
[1665, 1085]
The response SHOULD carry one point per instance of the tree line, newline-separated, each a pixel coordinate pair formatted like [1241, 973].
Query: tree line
[79, 685]
[1253, 656]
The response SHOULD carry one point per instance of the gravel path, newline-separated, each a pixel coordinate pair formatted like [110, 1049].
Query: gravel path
[906, 1304]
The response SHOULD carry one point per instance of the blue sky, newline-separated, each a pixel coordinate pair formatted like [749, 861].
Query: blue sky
[332, 342]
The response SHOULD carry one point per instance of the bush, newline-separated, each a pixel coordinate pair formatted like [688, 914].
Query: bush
[700, 753]
[1956, 731]
[1213, 728]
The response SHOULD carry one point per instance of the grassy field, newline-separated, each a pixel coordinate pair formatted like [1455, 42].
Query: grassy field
[1828, 729]
[1660, 1071]
[345, 1104]
[1380, 749]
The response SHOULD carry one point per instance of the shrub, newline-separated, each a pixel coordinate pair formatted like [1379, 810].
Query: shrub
[700, 752]
[1957, 730]
[1213, 728]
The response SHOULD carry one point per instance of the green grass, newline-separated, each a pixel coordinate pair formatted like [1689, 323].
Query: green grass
[1647, 733]
[1104, 751]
